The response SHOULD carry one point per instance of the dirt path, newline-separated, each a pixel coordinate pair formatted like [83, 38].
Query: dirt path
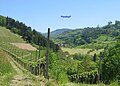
[20, 79]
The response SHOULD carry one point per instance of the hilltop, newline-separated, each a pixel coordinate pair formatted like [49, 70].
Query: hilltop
[57, 32]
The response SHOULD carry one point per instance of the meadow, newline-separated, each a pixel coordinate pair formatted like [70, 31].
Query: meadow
[83, 51]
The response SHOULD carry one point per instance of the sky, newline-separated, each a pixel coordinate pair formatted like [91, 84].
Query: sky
[44, 14]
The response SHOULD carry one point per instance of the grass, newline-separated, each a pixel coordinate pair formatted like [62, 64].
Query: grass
[75, 50]
[51, 83]
[13, 49]
[7, 36]
[78, 84]
[83, 51]
[6, 70]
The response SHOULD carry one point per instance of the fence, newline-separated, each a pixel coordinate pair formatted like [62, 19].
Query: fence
[36, 68]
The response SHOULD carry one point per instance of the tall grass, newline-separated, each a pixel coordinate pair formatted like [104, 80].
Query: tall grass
[6, 70]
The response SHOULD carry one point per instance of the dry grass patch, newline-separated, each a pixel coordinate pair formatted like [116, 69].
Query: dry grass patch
[75, 50]
[81, 51]
[96, 51]
[24, 46]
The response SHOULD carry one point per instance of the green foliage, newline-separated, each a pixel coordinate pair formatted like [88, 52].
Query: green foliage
[80, 64]
[85, 77]
[111, 64]
[78, 56]
[82, 69]
[2, 21]
[99, 36]
[115, 83]
[49, 84]
[56, 68]
[87, 64]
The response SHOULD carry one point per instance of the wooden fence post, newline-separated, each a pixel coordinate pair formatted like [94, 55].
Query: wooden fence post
[47, 55]
[39, 52]
[36, 55]
[31, 56]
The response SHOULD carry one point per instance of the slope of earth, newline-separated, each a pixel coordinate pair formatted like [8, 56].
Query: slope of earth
[7, 36]
[14, 43]
[23, 77]
[6, 69]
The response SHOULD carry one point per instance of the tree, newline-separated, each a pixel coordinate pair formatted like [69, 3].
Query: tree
[94, 57]
[111, 64]
[109, 23]
[117, 22]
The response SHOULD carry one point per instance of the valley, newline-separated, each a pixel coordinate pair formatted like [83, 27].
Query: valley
[80, 57]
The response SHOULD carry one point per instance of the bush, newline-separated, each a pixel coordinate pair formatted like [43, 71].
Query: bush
[49, 84]
[115, 83]
[111, 64]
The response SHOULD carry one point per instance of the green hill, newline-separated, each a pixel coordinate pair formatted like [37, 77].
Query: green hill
[57, 32]
[90, 37]
[7, 36]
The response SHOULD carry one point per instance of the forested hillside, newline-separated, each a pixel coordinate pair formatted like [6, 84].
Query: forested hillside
[100, 35]
[28, 34]
[57, 32]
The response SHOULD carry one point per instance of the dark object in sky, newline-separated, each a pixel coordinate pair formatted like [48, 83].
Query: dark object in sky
[65, 16]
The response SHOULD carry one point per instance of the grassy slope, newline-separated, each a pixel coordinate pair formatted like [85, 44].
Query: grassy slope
[6, 70]
[7, 36]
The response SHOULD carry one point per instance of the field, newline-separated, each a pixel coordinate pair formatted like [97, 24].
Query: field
[81, 51]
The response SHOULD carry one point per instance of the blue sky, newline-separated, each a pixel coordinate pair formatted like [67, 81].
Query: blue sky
[41, 14]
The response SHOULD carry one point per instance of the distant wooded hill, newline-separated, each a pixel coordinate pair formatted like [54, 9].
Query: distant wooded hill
[106, 34]
[57, 32]
[29, 35]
